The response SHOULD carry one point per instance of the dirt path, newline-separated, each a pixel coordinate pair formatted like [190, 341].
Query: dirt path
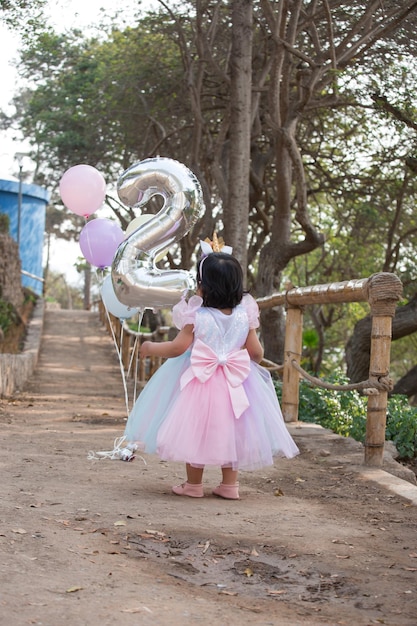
[313, 541]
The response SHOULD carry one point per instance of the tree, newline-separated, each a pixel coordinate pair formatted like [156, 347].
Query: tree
[370, 222]
[23, 16]
[302, 56]
[399, 254]
[58, 291]
[166, 87]
[311, 46]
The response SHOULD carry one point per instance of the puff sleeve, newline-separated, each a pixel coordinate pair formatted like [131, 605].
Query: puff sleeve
[252, 310]
[183, 312]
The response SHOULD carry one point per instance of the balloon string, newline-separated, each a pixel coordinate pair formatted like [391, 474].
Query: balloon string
[132, 356]
[99, 275]
[99, 272]
[135, 353]
[123, 371]
[119, 354]
[122, 450]
[135, 387]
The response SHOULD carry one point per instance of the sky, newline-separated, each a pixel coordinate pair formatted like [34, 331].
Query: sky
[62, 14]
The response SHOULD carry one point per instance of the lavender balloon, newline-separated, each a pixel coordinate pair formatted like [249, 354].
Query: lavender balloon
[99, 240]
[136, 279]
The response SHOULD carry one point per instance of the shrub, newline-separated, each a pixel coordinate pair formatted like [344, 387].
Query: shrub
[344, 412]
[8, 315]
[402, 426]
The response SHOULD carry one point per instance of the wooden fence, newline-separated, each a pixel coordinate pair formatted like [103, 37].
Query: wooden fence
[382, 291]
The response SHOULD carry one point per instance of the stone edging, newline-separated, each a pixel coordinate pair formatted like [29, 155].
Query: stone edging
[15, 369]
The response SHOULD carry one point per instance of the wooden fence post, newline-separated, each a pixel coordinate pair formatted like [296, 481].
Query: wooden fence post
[384, 291]
[125, 349]
[292, 352]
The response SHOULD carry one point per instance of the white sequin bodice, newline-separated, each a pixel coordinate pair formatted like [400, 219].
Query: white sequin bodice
[223, 333]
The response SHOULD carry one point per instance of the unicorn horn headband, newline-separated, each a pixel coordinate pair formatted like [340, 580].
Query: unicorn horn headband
[208, 247]
[216, 245]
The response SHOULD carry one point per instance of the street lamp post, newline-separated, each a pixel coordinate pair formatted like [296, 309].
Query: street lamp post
[19, 158]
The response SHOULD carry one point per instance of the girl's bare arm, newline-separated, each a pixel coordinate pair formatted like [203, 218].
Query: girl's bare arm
[254, 346]
[168, 349]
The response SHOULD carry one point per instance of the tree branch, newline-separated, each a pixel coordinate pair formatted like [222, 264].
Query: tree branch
[382, 102]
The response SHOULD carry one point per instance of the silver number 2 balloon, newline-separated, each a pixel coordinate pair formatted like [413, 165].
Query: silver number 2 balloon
[136, 279]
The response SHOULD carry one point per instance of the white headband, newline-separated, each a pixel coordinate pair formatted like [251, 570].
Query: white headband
[206, 249]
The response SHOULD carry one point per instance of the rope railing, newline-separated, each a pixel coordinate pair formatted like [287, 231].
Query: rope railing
[368, 387]
[271, 366]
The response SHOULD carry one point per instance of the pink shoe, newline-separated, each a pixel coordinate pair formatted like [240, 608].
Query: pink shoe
[188, 489]
[229, 492]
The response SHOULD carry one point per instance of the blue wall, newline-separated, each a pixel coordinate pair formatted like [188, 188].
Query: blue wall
[32, 226]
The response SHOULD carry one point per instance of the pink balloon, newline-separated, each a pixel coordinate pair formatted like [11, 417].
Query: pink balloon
[99, 240]
[82, 189]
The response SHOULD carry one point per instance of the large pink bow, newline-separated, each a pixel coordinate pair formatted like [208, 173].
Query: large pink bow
[236, 368]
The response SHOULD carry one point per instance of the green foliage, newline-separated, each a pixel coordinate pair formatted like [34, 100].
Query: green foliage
[133, 325]
[21, 15]
[402, 426]
[310, 338]
[8, 315]
[344, 412]
[29, 296]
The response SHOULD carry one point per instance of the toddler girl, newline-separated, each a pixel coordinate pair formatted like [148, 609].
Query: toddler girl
[211, 403]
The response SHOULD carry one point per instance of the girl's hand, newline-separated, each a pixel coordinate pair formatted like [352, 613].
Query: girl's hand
[146, 349]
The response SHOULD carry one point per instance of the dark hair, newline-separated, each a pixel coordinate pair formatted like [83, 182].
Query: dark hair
[220, 277]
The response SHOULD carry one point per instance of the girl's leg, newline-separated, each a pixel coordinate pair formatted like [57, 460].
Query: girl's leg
[229, 476]
[193, 487]
[194, 474]
[229, 487]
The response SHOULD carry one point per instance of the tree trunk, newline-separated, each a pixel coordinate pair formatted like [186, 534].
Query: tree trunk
[236, 216]
[277, 253]
[358, 347]
[87, 287]
[407, 385]
[274, 258]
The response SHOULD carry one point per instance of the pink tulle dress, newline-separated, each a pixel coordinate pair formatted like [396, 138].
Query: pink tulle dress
[212, 405]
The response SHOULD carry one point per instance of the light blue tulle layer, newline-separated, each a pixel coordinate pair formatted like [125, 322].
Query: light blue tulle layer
[154, 402]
